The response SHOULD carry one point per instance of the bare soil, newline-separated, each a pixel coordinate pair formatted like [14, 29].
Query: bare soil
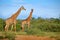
[30, 37]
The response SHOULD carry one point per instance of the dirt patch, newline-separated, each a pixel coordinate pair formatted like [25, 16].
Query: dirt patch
[30, 37]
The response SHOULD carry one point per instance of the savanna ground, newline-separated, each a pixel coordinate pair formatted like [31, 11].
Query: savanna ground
[40, 29]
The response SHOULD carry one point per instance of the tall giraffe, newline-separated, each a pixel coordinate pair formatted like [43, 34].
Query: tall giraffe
[27, 20]
[12, 19]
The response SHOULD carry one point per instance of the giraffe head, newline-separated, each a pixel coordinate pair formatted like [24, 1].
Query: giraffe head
[22, 8]
[32, 10]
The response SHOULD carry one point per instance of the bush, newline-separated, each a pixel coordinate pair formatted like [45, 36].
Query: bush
[33, 31]
[10, 35]
[49, 25]
[2, 24]
[46, 25]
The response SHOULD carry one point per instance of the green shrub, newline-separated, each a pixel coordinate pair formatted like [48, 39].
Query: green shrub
[10, 35]
[2, 24]
[49, 25]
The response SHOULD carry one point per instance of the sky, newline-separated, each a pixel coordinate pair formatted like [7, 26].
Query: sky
[42, 8]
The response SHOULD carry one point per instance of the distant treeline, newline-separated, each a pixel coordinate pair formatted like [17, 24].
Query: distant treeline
[39, 24]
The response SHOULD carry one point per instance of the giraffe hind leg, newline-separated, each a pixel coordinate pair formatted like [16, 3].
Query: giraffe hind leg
[28, 25]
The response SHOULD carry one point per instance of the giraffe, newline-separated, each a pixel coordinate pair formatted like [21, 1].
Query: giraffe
[27, 20]
[12, 19]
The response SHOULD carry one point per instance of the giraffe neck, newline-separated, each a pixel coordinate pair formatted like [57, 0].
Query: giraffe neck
[14, 16]
[30, 16]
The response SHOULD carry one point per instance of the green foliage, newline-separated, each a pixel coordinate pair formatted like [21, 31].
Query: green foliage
[10, 35]
[33, 31]
[37, 25]
[48, 25]
[2, 23]
[18, 25]
[1, 37]
[7, 35]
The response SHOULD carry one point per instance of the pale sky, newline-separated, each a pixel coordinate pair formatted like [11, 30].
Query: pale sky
[42, 8]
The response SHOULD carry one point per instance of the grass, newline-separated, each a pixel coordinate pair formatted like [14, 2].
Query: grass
[8, 35]
[25, 33]
[21, 33]
[11, 35]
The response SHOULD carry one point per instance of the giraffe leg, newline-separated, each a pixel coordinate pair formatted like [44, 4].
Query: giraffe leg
[11, 27]
[15, 25]
[22, 27]
[6, 27]
[28, 25]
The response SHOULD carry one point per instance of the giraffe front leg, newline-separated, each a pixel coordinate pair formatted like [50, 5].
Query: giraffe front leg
[6, 27]
[11, 27]
[22, 27]
[15, 28]
[15, 25]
